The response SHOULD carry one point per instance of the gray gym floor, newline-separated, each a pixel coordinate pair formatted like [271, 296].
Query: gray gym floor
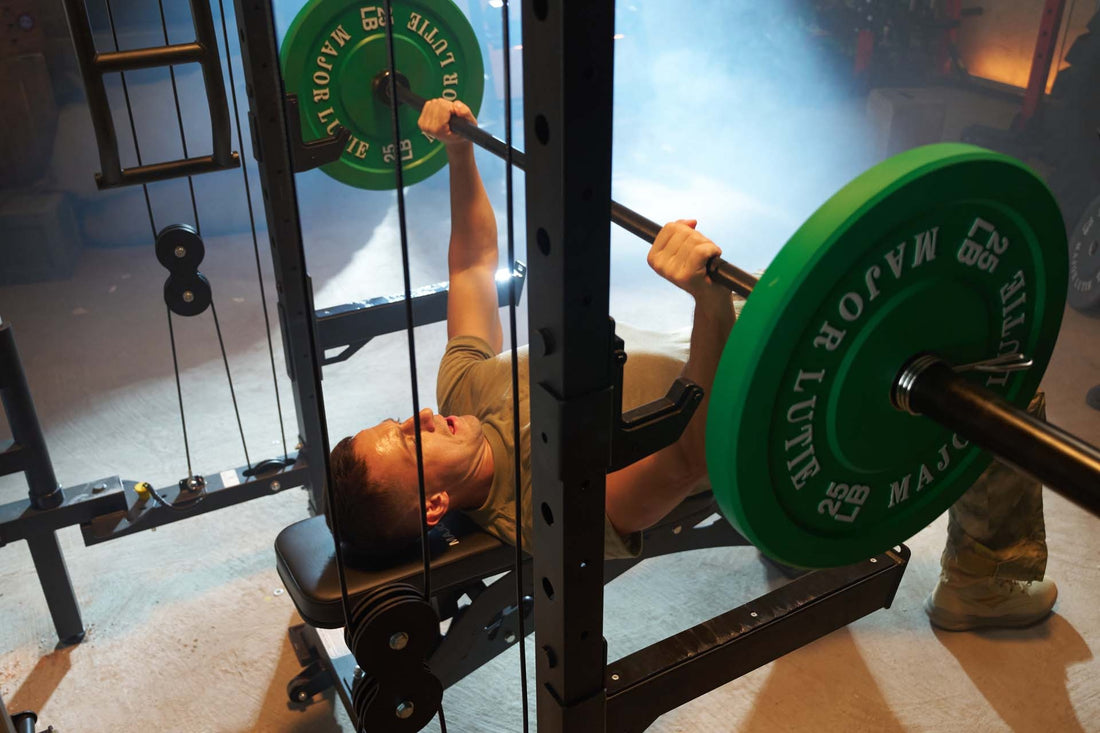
[187, 623]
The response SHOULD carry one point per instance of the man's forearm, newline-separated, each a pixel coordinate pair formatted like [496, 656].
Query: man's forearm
[640, 494]
[473, 223]
[714, 318]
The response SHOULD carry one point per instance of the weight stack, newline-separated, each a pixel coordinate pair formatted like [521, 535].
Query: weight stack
[39, 238]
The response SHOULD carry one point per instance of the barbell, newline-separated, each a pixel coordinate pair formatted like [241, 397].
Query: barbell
[886, 353]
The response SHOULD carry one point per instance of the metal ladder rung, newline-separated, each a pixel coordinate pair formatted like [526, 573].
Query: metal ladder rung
[93, 66]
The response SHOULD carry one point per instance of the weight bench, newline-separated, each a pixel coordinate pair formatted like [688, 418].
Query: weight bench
[473, 590]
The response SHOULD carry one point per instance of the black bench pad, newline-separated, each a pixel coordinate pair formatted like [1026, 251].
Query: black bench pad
[461, 553]
[306, 560]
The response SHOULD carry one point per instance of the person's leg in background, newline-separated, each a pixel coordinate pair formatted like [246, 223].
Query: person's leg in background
[996, 553]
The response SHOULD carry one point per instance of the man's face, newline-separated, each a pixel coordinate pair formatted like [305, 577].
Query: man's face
[451, 447]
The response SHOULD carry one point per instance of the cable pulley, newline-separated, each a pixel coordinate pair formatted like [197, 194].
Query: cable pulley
[180, 250]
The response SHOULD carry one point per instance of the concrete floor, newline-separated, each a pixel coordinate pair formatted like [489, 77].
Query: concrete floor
[187, 623]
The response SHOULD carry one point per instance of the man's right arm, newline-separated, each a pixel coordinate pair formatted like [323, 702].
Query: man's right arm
[639, 495]
[710, 330]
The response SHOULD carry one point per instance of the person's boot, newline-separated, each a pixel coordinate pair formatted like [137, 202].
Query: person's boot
[963, 602]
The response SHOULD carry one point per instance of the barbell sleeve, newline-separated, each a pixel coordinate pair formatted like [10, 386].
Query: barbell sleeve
[723, 273]
[1066, 464]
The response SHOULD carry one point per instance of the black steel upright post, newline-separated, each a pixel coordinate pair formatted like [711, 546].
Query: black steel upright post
[567, 70]
[34, 457]
[272, 150]
[28, 454]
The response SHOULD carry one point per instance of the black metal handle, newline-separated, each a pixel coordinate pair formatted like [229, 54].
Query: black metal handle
[309, 154]
[727, 275]
[1063, 462]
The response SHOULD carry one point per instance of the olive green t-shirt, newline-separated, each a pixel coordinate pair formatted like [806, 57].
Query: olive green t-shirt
[473, 380]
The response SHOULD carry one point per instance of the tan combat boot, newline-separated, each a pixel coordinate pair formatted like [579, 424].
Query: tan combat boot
[963, 602]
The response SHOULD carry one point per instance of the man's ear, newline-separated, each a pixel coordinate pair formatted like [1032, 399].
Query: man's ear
[437, 505]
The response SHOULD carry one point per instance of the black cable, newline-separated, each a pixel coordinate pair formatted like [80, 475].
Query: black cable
[394, 107]
[130, 114]
[153, 227]
[517, 446]
[179, 389]
[232, 392]
[179, 119]
[198, 229]
[319, 453]
[252, 227]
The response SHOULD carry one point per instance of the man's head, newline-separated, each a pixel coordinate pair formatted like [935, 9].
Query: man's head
[375, 481]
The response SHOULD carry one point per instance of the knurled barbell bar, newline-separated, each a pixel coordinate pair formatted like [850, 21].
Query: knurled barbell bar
[729, 276]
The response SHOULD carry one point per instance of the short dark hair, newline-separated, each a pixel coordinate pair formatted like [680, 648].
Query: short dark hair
[377, 518]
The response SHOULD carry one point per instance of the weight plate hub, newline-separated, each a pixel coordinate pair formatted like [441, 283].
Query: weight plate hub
[1084, 262]
[948, 249]
[333, 51]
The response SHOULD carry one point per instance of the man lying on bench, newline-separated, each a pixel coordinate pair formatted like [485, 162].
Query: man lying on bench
[467, 447]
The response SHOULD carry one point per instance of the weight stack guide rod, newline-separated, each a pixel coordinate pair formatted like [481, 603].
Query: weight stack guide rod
[1063, 462]
[720, 271]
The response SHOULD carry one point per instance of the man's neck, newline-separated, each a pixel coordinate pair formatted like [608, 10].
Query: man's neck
[474, 492]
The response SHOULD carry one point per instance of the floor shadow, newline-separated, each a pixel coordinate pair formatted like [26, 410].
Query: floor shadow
[42, 682]
[1015, 668]
[828, 678]
[278, 713]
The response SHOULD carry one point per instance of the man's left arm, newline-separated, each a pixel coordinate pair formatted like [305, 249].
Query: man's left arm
[472, 307]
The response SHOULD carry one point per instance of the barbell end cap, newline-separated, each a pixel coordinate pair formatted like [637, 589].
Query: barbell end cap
[902, 389]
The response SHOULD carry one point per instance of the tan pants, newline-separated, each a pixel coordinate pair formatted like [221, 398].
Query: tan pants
[996, 528]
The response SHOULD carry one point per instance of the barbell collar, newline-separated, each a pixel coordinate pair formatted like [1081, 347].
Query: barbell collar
[721, 272]
[929, 386]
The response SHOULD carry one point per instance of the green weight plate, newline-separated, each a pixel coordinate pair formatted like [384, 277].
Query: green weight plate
[948, 249]
[333, 51]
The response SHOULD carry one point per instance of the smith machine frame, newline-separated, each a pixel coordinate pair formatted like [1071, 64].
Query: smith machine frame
[568, 67]
[568, 72]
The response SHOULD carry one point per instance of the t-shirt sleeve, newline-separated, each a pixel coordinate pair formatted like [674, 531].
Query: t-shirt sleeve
[457, 383]
[620, 546]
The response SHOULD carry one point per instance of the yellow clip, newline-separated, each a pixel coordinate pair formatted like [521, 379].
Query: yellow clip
[143, 488]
